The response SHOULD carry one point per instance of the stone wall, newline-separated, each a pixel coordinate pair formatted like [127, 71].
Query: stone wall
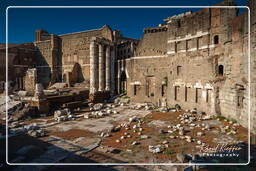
[60, 56]
[20, 58]
[206, 65]
[153, 42]
[44, 61]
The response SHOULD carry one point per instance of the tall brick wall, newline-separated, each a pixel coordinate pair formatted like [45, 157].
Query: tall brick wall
[58, 56]
[153, 42]
[191, 73]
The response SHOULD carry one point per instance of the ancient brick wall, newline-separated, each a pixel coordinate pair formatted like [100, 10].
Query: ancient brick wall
[44, 61]
[175, 78]
[75, 50]
[20, 58]
[153, 42]
[206, 66]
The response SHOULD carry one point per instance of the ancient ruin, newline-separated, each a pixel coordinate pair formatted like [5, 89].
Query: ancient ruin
[191, 69]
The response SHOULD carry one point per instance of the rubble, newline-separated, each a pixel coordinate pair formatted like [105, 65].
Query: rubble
[199, 134]
[15, 124]
[165, 142]
[63, 115]
[154, 149]
[135, 143]
[144, 136]
[193, 111]
[59, 85]
[163, 109]
[181, 132]
[33, 127]
[199, 142]
[161, 131]
[177, 107]
[98, 106]
[115, 128]
[132, 119]
[36, 133]
[122, 100]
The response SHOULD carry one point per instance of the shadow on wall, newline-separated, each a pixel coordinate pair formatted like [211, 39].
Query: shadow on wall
[43, 69]
[77, 74]
[45, 73]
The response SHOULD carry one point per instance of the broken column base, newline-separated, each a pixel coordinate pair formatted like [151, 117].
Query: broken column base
[42, 105]
[99, 96]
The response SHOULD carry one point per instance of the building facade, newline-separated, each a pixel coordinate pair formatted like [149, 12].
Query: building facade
[195, 59]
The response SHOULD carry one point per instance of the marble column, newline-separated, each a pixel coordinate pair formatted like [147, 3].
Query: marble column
[108, 64]
[101, 68]
[93, 68]
[112, 71]
[118, 76]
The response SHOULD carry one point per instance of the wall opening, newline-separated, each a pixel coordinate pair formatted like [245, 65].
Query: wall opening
[216, 39]
[240, 100]
[186, 94]
[163, 90]
[150, 86]
[135, 90]
[176, 92]
[123, 82]
[208, 96]
[220, 70]
[198, 95]
[178, 70]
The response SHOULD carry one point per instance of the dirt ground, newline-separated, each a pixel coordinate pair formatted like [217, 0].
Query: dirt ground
[74, 136]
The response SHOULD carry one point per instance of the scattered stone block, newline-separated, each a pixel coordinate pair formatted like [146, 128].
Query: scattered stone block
[154, 149]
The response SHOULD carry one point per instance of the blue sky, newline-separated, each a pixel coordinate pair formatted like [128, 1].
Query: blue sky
[23, 22]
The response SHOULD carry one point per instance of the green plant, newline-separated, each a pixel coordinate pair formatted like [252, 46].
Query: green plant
[169, 152]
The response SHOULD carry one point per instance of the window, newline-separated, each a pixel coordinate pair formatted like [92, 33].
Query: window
[176, 92]
[135, 90]
[178, 70]
[186, 94]
[208, 95]
[216, 39]
[220, 70]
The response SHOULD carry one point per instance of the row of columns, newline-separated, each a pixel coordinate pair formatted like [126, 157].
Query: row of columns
[100, 67]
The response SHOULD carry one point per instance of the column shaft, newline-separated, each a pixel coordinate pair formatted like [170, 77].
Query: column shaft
[108, 65]
[93, 68]
[101, 68]
[112, 71]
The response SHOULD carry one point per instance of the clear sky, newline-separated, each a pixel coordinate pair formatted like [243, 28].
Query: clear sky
[24, 22]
